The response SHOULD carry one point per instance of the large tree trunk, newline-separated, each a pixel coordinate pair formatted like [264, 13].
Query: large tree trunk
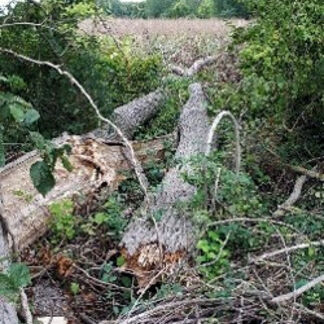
[24, 212]
[96, 163]
[132, 115]
[174, 234]
[8, 313]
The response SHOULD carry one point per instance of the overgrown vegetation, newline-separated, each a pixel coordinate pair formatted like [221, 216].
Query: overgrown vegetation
[174, 8]
[273, 86]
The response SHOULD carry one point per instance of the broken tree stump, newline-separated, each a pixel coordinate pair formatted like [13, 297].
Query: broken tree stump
[95, 164]
[143, 240]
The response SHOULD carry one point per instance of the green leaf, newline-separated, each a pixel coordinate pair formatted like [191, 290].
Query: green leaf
[74, 288]
[42, 177]
[17, 112]
[100, 218]
[120, 261]
[38, 140]
[19, 275]
[31, 116]
[66, 163]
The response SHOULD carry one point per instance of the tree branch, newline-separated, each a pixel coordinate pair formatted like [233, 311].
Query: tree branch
[74, 81]
[294, 294]
[288, 249]
[213, 128]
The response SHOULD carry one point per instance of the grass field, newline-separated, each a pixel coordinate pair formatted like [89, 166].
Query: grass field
[180, 41]
[166, 27]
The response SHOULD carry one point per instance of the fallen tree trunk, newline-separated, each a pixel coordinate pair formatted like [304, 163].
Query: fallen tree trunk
[95, 164]
[8, 313]
[132, 115]
[173, 234]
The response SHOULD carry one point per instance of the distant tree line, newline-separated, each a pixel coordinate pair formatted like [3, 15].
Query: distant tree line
[175, 8]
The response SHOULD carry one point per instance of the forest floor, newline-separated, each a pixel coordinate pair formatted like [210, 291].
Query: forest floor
[82, 277]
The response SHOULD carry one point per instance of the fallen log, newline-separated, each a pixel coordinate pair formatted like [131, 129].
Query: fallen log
[132, 115]
[95, 164]
[173, 234]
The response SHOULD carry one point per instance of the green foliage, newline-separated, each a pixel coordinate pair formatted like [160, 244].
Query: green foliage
[75, 288]
[236, 193]
[206, 9]
[41, 172]
[42, 177]
[107, 273]
[214, 257]
[173, 8]
[63, 223]
[282, 71]
[110, 217]
[11, 281]
[113, 74]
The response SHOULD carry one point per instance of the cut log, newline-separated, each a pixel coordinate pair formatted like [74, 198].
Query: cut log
[96, 164]
[132, 115]
[143, 240]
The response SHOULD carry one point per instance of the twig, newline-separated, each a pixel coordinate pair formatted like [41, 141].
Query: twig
[294, 294]
[74, 81]
[309, 311]
[309, 173]
[294, 196]
[288, 249]
[252, 220]
[25, 307]
[102, 283]
[144, 291]
[213, 128]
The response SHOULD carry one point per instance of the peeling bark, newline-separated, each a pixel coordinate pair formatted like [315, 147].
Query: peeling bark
[174, 232]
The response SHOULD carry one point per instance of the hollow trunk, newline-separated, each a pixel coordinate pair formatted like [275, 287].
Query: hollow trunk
[173, 233]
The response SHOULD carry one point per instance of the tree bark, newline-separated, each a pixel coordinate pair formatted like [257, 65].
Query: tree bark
[174, 233]
[132, 115]
[95, 165]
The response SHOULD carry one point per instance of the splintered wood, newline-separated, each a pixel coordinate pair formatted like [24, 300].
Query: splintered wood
[96, 164]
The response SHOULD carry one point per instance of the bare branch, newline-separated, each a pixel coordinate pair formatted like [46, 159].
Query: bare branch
[195, 68]
[74, 81]
[294, 196]
[288, 249]
[294, 294]
[24, 304]
[213, 128]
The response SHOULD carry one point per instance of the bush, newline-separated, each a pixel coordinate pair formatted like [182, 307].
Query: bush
[112, 74]
[281, 61]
